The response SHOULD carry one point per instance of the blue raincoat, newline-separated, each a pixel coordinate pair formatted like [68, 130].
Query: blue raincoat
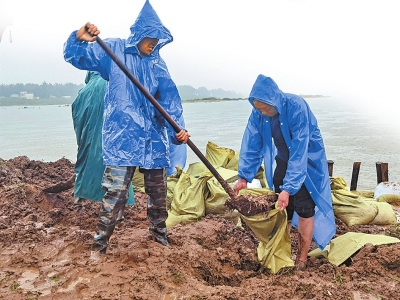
[134, 132]
[307, 159]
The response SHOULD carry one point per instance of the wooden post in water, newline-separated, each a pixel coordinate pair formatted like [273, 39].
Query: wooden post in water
[330, 167]
[382, 172]
[354, 175]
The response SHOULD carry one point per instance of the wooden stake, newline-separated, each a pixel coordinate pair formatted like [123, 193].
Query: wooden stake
[354, 175]
[382, 172]
[330, 167]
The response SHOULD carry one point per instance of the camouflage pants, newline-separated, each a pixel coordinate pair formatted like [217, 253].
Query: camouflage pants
[116, 183]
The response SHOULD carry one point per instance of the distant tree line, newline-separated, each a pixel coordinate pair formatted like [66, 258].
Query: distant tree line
[57, 90]
[187, 92]
[44, 90]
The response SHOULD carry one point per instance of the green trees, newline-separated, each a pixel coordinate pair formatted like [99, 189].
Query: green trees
[57, 90]
[44, 90]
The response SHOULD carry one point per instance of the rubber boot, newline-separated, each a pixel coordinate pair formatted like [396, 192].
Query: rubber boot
[116, 181]
[159, 235]
[100, 243]
[155, 182]
[120, 216]
[78, 204]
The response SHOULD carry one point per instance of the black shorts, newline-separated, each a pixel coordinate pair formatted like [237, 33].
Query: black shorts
[301, 202]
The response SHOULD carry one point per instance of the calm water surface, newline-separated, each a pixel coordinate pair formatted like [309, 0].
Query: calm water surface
[350, 134]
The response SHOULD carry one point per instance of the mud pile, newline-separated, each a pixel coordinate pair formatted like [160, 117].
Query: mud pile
[45, 253]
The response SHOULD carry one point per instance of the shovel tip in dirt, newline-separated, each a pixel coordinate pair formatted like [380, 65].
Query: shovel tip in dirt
[62, 186]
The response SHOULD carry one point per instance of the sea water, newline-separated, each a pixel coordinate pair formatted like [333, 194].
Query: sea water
[351, 133]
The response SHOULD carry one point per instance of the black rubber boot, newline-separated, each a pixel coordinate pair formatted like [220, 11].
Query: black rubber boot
[120, 216]
[160, 236]
[100, 243]
[78, 204]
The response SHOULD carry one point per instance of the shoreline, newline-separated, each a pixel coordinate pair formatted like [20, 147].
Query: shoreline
[62, 102]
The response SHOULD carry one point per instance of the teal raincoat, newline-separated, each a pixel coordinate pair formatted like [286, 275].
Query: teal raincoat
[307, 159]
[87, 117]
[134, 132]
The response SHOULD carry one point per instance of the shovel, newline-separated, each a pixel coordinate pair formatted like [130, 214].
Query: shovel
[247, 206]
[175, 126]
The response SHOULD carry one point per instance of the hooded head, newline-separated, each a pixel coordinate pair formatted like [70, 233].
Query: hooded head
[149, 25]
[90, 75]
[266, 91]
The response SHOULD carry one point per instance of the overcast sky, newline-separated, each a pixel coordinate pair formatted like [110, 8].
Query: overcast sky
[338, 48]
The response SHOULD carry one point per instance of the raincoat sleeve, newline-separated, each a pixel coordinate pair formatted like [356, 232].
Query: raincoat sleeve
[172, 134]
[177, 150]
[298, 148]
[170, 100]
[252, 149]
[177, 117]
[87, 56]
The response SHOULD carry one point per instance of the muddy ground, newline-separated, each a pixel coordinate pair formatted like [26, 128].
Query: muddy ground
[45, 253]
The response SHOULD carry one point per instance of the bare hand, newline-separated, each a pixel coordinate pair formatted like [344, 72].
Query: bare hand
[240, 184]
[87, 32]
[183, 136]
[283, 200]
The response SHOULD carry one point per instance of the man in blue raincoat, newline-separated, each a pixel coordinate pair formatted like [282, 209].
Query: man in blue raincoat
[283, 133]
[134, 132]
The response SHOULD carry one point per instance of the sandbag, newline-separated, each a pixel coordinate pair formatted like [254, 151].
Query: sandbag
[171, 183]
[344, 246]
[218, 156]
[274, 248]
[348, 206]
[188, 199]
[385, 215]
[355, 208]
[138, 181]
[392, 199]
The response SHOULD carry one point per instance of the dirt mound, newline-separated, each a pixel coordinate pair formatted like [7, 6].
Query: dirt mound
[45, 253]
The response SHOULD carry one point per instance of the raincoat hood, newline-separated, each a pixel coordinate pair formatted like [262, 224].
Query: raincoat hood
[267, 91]
[148, 24]
[90, 75]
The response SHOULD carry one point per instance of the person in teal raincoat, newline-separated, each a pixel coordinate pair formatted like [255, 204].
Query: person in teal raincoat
[87, 117]
[134, 132]
[282, 132]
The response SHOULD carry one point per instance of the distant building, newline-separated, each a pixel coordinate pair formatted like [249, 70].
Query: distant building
[66, 97]
[26, 95]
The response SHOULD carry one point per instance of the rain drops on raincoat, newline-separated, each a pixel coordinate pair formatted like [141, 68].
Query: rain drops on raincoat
[307, 159]
[134, 132]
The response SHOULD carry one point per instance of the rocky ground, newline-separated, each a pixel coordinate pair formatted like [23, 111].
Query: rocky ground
[45, 253]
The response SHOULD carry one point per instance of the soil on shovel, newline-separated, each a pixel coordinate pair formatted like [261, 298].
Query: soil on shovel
[45, 249]
[250, 205]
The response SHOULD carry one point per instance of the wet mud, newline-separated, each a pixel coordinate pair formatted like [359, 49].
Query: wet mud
[45, 248]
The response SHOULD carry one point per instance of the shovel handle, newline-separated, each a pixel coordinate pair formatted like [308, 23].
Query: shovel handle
[157, 105]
